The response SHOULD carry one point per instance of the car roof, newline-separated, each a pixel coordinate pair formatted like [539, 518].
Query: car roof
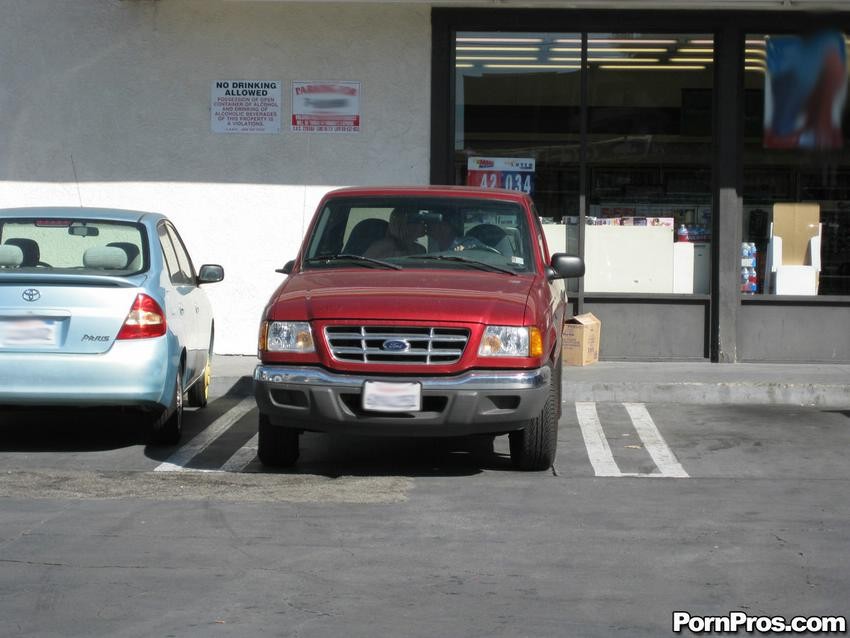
[60, 212]
[500, 194]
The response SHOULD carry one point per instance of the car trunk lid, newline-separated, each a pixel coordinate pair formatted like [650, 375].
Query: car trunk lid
[63, 313]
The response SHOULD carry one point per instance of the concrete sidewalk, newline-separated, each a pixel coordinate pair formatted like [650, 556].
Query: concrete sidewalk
[821, 385]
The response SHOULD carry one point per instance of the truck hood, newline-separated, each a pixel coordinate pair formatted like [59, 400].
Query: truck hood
[406, 295]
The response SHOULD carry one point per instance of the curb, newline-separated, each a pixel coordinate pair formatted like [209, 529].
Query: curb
[722, 393]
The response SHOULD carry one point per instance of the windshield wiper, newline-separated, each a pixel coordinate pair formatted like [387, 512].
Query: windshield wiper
[483, 265]
[358, 258]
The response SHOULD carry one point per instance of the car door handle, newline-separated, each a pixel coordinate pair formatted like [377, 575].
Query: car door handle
[181, 310]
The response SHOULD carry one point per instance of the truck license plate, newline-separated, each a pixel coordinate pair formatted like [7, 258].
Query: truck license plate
[381, 396]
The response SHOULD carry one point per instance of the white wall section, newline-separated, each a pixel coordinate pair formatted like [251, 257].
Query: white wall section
[106, 103]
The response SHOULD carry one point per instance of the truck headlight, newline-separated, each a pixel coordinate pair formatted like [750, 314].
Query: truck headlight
[511, 341]
[288, 336]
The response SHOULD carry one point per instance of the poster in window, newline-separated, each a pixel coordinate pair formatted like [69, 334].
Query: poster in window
[805, 91]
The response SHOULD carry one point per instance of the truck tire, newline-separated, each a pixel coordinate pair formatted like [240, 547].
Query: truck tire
[533, 448]
[557, 379]
[276, 446]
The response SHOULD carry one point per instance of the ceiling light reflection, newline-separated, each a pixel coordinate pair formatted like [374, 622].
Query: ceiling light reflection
[507, 40]
[531, 66]
[497, 49]
[592, 41]
[495, 58]
[651, 67]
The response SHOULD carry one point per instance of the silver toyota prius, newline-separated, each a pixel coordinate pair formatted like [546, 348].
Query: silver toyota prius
[102, 307]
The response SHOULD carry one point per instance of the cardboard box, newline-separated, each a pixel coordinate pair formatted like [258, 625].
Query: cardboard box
[580, 345]
[797, 224]
[793, 252]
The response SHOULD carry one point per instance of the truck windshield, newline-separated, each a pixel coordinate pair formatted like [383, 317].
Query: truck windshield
[411, 231]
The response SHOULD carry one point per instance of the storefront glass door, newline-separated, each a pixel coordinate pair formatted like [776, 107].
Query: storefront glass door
[645, 153]
[649, 163]
[518, 121]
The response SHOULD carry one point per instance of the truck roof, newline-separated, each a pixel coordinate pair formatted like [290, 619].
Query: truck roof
[429, 191]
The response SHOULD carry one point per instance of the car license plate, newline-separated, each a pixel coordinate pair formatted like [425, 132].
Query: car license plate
[15, 333]
[381, 396]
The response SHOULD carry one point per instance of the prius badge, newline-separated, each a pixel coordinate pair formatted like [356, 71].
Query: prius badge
[31, 294]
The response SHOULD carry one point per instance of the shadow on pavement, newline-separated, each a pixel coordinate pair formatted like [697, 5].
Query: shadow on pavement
[337, 455]
[72, 429]
[69, 429]
[196, 420]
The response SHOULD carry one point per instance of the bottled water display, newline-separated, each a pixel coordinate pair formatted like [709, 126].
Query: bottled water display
[749, 276]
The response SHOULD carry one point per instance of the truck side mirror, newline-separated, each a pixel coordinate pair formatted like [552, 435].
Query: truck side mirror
[564, 266]
[287, 268]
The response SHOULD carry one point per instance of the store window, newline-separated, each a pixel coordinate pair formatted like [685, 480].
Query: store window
[648, 146]
[518, 122]
[796, 222]
[649, 163]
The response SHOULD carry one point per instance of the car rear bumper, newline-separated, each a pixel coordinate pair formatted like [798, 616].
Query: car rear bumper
[476, 402]
[131, 373]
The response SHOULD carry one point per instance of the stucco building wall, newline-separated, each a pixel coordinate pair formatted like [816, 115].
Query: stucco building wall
[107, 103]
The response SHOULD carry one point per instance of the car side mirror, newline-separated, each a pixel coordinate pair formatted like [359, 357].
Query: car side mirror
[287, 268]
[564, 266]
[210, 274]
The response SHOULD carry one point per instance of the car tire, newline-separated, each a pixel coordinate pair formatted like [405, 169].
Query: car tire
[199, 393]
[169, 426]
[277, 446]
[533, 448]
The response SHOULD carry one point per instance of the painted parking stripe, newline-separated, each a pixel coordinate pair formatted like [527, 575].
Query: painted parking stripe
[654, 443]
[597, 446]
[242, 457]
[177, 461]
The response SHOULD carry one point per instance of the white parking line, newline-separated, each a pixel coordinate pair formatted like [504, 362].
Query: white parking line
[242, 457]
[658, 449]
[177, 461]
[597, 446]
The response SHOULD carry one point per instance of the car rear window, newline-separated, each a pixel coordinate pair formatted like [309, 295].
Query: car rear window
[403, 229]
[84, 246]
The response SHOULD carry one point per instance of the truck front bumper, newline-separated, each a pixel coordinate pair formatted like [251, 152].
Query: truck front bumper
[475, 402]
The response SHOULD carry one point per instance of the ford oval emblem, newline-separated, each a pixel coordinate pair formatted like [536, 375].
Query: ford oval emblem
[395, 345]
[31, 294]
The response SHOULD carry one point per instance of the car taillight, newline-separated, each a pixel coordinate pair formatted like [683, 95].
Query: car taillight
[145, 319]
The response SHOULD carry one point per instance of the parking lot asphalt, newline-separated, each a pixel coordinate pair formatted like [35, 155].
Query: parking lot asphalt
[702, 383]
[651, 507]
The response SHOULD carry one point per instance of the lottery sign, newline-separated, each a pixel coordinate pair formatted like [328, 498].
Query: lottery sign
[513, 173]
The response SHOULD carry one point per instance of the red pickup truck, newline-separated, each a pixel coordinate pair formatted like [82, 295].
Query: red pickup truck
[417, 311]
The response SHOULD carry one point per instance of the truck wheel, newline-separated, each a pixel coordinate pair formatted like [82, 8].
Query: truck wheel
[557, 377]
[533, 447]
[276, 446]
[169, 425]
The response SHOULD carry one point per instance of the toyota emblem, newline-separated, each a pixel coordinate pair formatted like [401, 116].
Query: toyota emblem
[31, 294]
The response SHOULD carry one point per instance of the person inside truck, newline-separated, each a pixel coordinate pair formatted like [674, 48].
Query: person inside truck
[441, 236]
[405, 227]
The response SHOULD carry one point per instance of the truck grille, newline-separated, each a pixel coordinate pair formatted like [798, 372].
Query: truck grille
[407, 345]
